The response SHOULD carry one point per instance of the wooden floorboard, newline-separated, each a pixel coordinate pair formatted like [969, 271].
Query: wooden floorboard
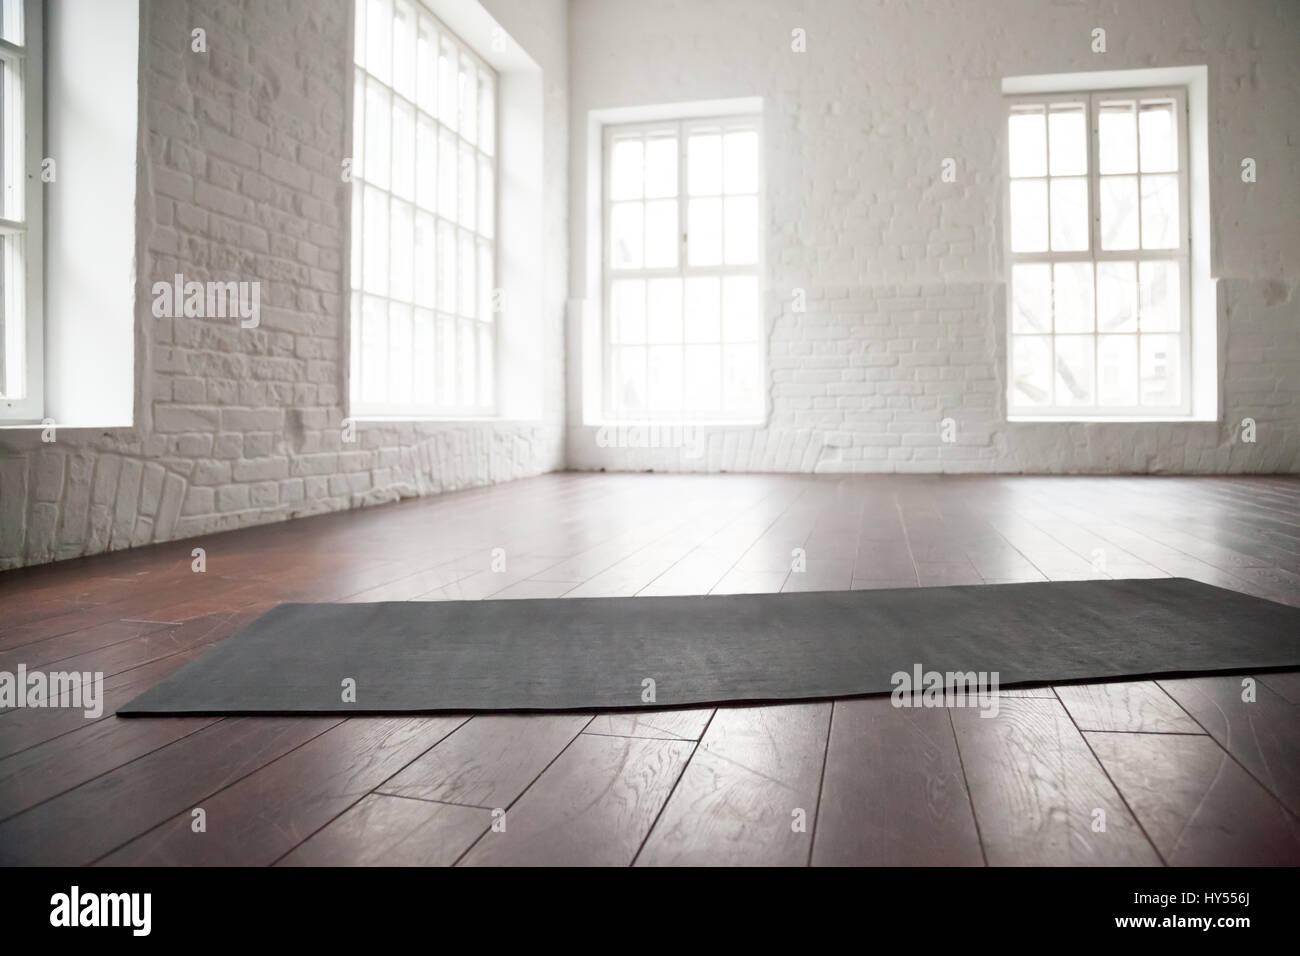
[1039, 796]
[1258, 727]
[264, 815]
[894, 792]
[489, 761]
[1197, 804]
[593, 806]
[1185, 770]
[749, 795]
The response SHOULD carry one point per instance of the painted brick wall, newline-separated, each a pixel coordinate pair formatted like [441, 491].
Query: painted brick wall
[241, 150]
[905, 324]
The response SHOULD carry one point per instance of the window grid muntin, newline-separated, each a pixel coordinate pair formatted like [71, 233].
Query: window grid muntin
[479, 330]
[612, 349]
[1094, 255]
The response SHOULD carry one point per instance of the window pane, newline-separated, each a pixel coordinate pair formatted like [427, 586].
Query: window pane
[374, 350]
[1160, 309]
[625, 171]
[1117, 375]
[427, 68]
[375, 252]
[1119, 208]
[446, 350]
[661, 167]
[404, 49]
[487, 115]
[1027, 143]
[742, 230]
[1158, 135]
[486, 369]
[424, 373]
[400, 345]
[1117, 296]
[705, 232]
[354, 358]
[425, 261]
[447, 194]
[1031, 370]
[13, 319]
[1117, 138]
[629, 379]
[11, 21]
[703, 378]
[486, 195]
[1159, 212]
[740, 309]
[358, 133]
[378, 118]
[426, 174]
[665, 378]
[358, 234]
[1069, 215]
[1072, 296]
[1160, 361]
[446, 266]
[448, 94]
[625, 235]
[379, 38]
[703, 309]
[468, 371]
[467, 200]
[358, 32]
[404, 150]
[1031, 297]
[661, 234]
[704, 164]
[486, 282]
[740, 162]
[665, 311]
[468, 83]
[468, 283]
[740, 386]
[402, 249]
[1029, 215]
[1067, 135]
[1074, 370]
[627, 311]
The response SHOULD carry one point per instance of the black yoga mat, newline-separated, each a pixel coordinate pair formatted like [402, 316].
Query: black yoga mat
[589, 654]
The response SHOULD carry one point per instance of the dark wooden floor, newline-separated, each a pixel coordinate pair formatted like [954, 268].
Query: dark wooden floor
[1178, 771]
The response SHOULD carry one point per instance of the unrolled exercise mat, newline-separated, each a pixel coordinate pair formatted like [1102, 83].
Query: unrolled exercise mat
[588, 654]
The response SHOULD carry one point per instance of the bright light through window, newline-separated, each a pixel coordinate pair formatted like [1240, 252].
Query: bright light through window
[1098, 297]
[423, 218]
[21, 320]
[683, 300]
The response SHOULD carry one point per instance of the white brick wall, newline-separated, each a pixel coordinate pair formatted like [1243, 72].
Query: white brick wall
[904, 327]
[241, 151]
[905, 323]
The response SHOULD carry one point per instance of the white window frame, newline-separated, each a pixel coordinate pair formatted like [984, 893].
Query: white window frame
[682, 129]
[23, 144]
[486, 312]
[1091, 99]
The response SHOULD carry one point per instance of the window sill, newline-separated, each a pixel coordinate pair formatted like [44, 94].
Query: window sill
[61, 426]
[675, 423]
[441, 420]
[1109, 420]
